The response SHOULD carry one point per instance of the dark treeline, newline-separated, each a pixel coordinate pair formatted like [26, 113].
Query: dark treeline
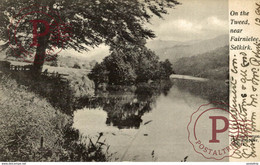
[130, 66]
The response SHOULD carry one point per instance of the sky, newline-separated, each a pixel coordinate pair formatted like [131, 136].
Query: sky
[192, 20]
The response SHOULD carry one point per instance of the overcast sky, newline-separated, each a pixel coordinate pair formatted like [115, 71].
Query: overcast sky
[193, 20]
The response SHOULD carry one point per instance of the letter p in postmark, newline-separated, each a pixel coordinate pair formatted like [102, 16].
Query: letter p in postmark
[212, 130]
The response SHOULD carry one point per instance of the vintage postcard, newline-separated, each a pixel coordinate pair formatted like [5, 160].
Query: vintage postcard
[129, 81]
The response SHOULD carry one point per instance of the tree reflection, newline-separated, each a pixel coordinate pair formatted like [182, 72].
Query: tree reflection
[212, 90]
[126, 106]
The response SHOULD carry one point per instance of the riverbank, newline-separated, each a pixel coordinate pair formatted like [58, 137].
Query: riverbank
[61, 87]
[26, 120]
[32, 129]
[37, 116]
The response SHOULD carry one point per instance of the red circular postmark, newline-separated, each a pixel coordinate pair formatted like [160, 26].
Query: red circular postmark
[37, 32]
[215, 130]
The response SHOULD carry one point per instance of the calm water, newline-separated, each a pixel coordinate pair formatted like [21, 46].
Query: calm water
[146, 124]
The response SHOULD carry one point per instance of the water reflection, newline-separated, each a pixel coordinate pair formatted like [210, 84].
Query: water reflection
[126, 108]
[125, 105]
[212, 90]
[148, 122]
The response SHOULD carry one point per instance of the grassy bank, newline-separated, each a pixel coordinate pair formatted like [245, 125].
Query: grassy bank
[25, 120]
[61, 87]
[33, 130]
[79, 83]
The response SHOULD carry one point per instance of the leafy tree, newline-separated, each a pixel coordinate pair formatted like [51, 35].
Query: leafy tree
[166, 69]
[148, 66]
[116, 23]
[131, 66]
[99, 74]
[119, 70]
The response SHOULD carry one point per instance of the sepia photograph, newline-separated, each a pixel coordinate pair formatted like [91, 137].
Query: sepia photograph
[115, 80]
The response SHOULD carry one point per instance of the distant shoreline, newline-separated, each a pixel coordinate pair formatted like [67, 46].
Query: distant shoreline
[186, 77]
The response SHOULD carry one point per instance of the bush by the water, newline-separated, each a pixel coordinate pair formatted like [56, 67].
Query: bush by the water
[130, 66]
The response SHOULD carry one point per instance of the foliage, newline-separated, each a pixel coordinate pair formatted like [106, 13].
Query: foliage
[213, 65]
[88, 23]
[166, 68]
[119, 71]
[54, 62]
[78, 149]
[130, 67]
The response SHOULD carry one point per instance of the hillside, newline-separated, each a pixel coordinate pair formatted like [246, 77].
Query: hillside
[161, 44]
[213, 64]
[72, 62]
[64, 60]
[173, 50]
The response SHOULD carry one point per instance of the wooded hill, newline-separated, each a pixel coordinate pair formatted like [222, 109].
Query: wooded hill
[213, 64]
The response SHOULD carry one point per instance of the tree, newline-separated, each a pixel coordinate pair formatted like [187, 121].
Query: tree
[166, 69]
[119, 70]
[76, 66]
[116, 23]
[148, 66]
[99, 74]
[131, 66]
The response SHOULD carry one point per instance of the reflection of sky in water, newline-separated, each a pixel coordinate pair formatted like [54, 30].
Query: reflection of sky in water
[163, 138]
[92, 121]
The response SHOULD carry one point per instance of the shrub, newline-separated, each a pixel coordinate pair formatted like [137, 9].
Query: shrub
[76, 66]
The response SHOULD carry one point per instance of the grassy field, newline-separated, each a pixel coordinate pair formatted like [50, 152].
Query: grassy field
[79, 81]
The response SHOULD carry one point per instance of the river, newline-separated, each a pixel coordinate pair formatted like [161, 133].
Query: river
[142, 125]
